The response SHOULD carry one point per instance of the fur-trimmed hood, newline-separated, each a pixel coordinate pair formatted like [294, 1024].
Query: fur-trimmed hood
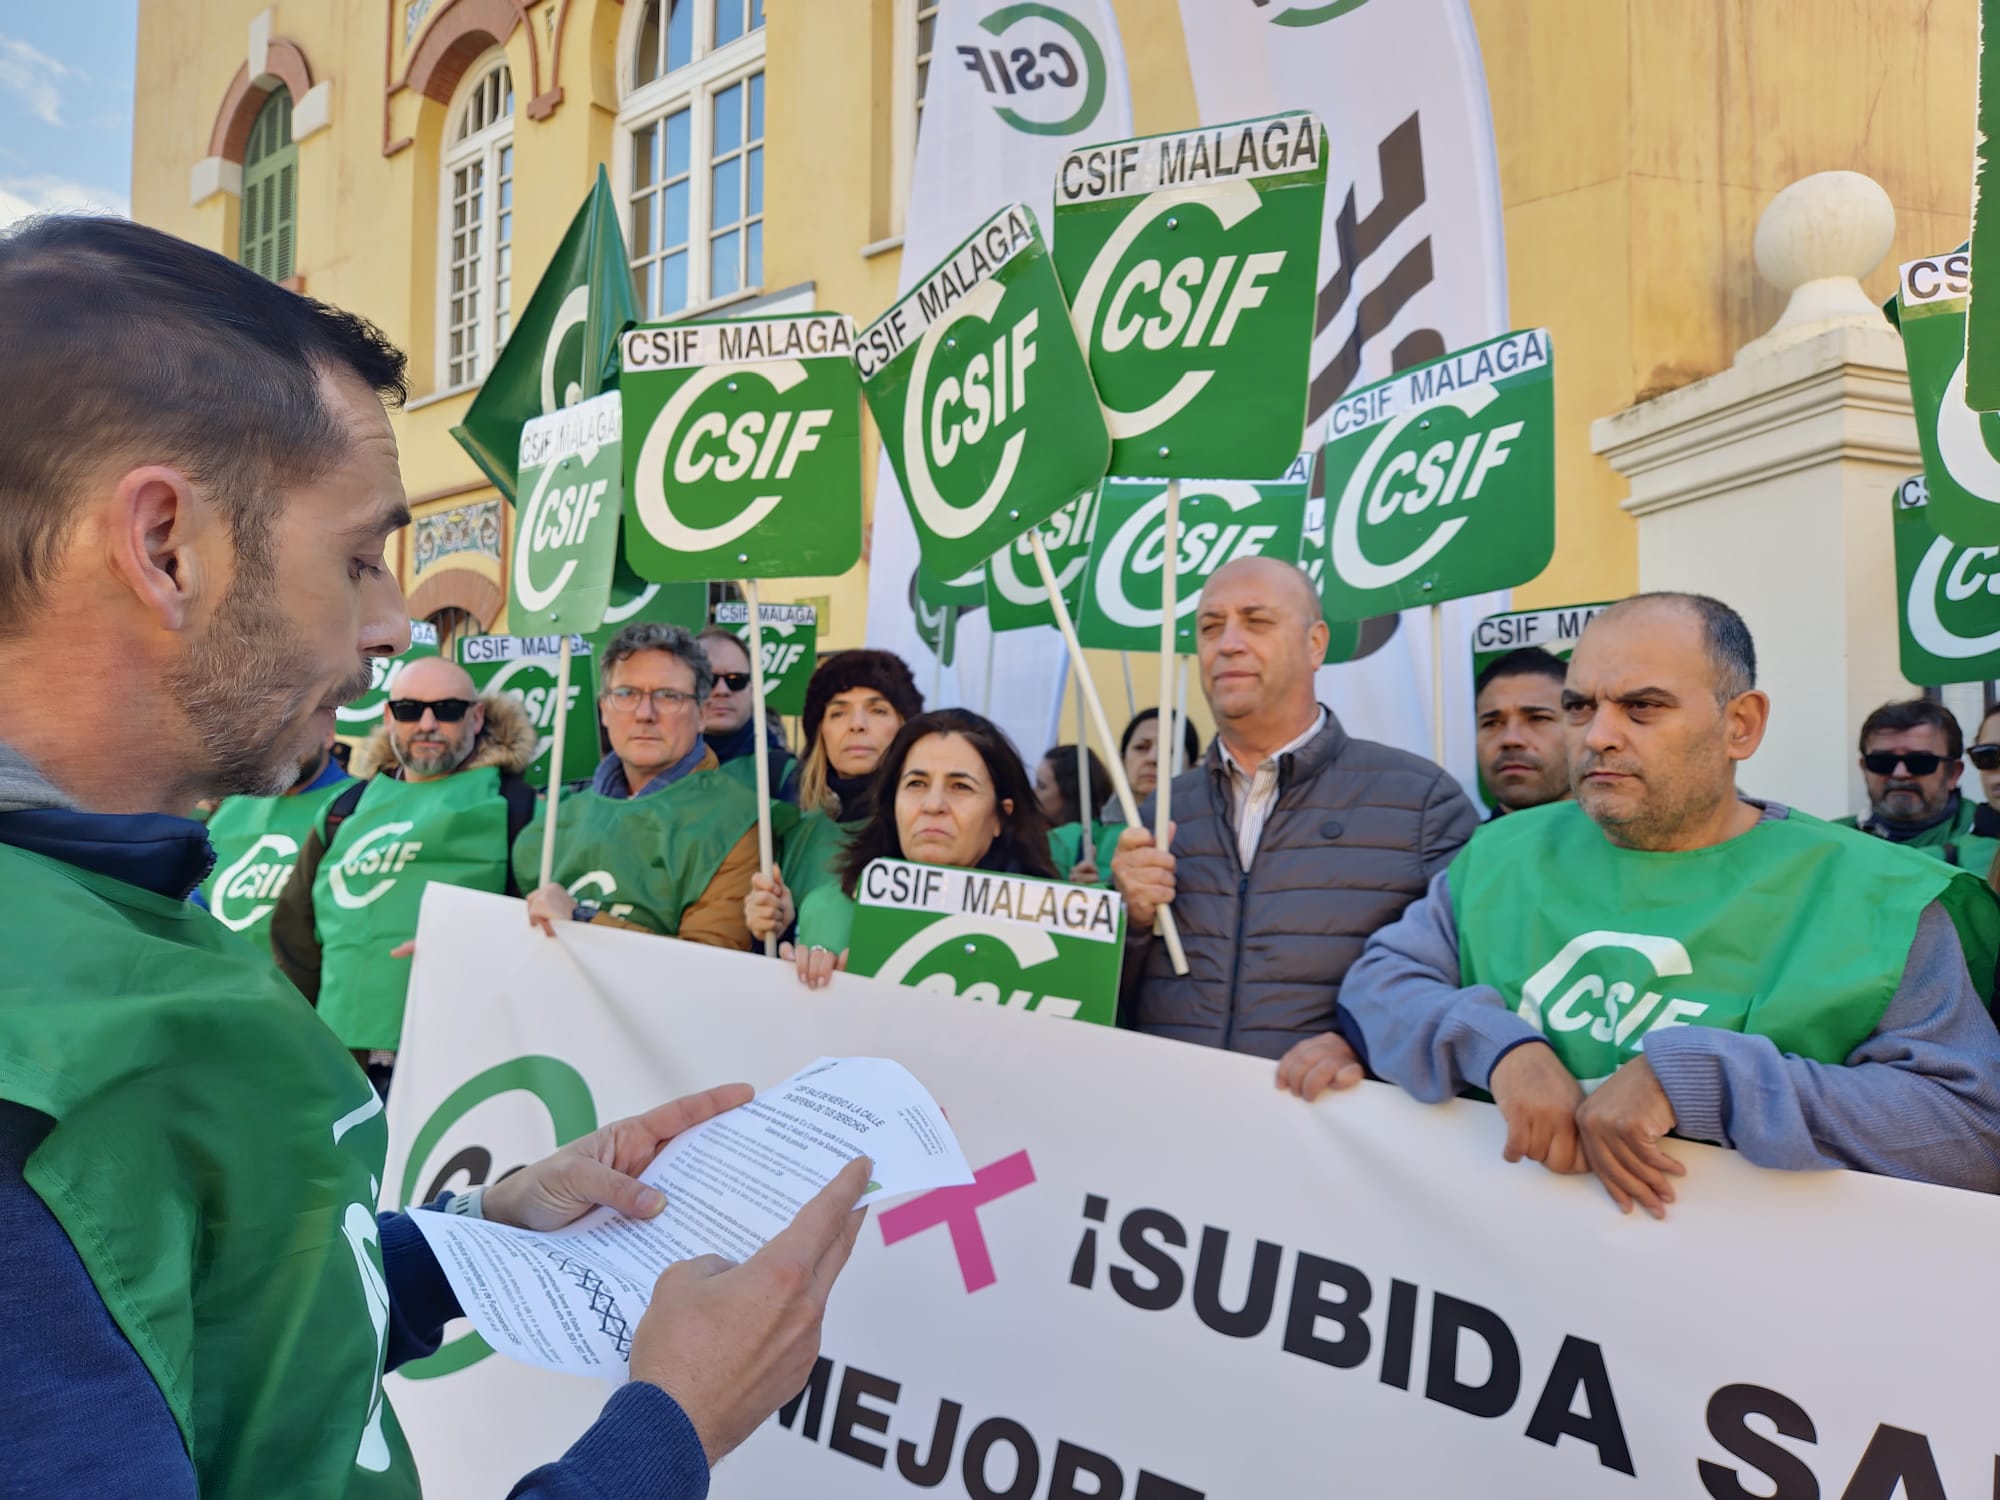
[507, 740]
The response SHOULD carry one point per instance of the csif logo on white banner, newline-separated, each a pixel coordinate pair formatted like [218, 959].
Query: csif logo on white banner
[557, 516]
[1138, 549]
[1040, 68]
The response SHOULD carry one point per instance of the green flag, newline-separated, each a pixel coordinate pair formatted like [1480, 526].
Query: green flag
[959, 373]
[1440, 481]
[525, 668]
[564, 347]
[1220, 521]
[362, 715]
[1191, 262]
[791, 649]
[1012, 940]
[1947, 597]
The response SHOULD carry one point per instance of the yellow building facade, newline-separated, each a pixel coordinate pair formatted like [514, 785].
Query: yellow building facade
[432, 152]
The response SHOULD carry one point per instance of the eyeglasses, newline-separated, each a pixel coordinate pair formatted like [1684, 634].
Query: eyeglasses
[1919, 762]
[410, 710]
[736, 682]
[1985, 757]
[626, 699]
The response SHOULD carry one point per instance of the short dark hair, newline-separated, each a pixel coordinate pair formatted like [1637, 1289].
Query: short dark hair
[1025, 828]
[1062, 760]
[653, 635]
[1189, 734]
[122, 342]
[1914, 713]
[1731, 652]
[1522, 661]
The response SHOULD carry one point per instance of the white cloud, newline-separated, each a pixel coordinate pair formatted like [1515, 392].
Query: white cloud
[21, 197]
[35, 76]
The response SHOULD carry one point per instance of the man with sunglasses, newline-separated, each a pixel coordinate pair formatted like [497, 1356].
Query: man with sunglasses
[728, 721]
[1911, 760]
[663, 841]
[442, 800]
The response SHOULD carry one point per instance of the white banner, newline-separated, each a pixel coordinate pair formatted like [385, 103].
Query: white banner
[1012, 89]
[1171, 1282]
[1413, 262]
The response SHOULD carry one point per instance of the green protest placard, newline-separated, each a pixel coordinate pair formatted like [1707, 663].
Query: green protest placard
[937, 628]
[1556, 631]
[1982, 315]
[1015, 598]
[1012, 940]
[1947, 597]
[1440, 482]
[562, 347]
[1959, 444]
[566, 534]
[743, 458]
[1220, 521]
[524, 668]
[634, 601]
[1191, 261]
[359, 718]
[958, 373]
[791, 649]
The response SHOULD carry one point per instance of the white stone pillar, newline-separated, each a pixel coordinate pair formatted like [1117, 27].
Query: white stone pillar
[1767, 486]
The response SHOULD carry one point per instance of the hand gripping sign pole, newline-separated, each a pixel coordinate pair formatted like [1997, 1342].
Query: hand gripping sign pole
[1163, 920]
[758, 721]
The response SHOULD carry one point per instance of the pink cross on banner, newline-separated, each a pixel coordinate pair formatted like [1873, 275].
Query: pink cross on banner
[958, 1208]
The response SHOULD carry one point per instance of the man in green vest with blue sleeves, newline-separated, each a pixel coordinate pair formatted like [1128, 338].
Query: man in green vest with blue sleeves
[1666, 954]
[198, 484]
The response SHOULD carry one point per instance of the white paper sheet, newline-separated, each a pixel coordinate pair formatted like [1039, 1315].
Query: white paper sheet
[570, 1299]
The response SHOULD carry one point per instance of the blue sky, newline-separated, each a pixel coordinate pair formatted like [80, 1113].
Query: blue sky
[66, 105]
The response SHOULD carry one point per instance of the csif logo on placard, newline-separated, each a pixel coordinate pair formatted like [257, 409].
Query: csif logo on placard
[521, 1109]
[1014, 575]
[1953, 609]
[536, 691]
[566, 499]
[1413, 489]
[1136, 555]
[719, 428]
[1046, 61]
[381, 852]
[1580, 990]
[781, 654]
[925, 956]
[977, 397]
[259, 874]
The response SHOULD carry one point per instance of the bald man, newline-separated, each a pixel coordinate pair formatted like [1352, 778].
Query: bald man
[441, 799]
[1292, 843]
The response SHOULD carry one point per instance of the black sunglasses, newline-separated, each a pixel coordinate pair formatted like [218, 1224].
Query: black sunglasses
[410, 710]
[1919, 762]
[736, 682]
[1985, 757]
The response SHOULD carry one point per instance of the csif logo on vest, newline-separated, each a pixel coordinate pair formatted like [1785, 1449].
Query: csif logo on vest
[1601, 986]
[1129, 580]
[513, 1113]
[1044, 72]
[382, 852]
[596, 885]
[259, 874]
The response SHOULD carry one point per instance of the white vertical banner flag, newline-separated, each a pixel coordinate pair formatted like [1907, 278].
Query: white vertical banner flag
[1014, 85]
[1413, 262]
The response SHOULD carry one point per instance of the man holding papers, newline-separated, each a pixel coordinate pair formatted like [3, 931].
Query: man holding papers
[204, 1299]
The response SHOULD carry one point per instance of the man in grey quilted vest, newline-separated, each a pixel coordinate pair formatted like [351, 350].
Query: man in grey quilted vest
[1293, 842]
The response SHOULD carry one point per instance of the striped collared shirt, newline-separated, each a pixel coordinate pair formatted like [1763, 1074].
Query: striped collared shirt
[1255, 793]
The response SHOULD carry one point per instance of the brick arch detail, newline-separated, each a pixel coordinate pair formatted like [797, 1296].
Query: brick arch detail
[285, 63]
[458, 588]
[461, 31]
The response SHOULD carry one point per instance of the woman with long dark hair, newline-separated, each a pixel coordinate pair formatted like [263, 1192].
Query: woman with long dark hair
[950, 790]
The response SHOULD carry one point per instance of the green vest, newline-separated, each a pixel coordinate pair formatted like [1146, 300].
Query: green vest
[743, 769]
[643, 859]
[401, 837]
[1793, 931]
[257, 843]
[1066, 846]
[215, 1160]
[812, 854]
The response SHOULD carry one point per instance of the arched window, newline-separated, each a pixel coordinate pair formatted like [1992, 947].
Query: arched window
[476, 209]
[267, 238]
[692, 150]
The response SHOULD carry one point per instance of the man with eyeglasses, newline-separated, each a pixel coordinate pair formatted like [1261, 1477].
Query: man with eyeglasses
[441, 800]
[1912, 755]
[662, 841]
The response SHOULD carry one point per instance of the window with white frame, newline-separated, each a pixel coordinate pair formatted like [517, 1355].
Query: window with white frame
[476, 206]
[692, 151]
[926, 34]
